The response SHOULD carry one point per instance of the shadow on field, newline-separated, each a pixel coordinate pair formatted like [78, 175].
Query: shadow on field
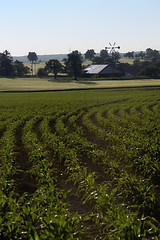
[86, 82]
[72, 81]
[60, 80]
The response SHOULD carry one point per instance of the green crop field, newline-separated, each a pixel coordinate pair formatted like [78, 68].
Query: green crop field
[80, 164]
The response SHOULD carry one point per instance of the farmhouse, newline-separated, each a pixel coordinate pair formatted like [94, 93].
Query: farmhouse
[103, 70]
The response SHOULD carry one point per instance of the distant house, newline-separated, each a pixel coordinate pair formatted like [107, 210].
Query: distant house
[103, 70]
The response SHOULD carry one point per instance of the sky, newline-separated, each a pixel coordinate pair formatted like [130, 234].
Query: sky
[62, 26]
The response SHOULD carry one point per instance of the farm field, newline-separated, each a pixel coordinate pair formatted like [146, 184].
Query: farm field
[49, 84]
[81, 165]
[129, 60]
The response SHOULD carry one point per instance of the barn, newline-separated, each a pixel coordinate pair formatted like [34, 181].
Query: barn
[103, 70]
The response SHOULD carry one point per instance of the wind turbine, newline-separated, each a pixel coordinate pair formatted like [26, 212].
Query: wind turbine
[112, 48]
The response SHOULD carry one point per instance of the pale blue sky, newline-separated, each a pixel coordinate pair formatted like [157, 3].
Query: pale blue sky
[61, 26]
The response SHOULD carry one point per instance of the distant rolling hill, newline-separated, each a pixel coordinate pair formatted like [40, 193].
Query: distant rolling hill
[42, 58]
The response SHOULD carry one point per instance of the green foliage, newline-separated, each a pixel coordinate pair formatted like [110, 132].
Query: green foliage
[74, 64]
[153, 70]
[6, 68]
[90, 54]
[42, 72]
[53, 66]
[32, 57]
[19, 69]
[152, 54]
[98, 60]
[129, 54]
[105, 142]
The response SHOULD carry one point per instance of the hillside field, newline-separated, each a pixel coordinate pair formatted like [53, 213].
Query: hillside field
[80, 165]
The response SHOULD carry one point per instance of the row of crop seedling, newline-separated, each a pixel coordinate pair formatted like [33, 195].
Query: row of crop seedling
[78, 174]
[88, 150]
[43, 215]
[102, 196]
[119, 149]
[117, 146]
[128, 136]
[142, 142]
[48, 209]
[29, 223]
[9, 205]
[151, 197]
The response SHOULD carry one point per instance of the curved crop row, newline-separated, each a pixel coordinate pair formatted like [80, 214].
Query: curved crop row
[98, 150]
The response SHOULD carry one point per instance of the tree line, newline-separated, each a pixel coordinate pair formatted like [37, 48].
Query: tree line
[149, 54]
[146, 63]
[8, 68]
[72, 65]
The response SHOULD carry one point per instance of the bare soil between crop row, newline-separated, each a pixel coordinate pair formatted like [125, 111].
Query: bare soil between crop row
[23, 179]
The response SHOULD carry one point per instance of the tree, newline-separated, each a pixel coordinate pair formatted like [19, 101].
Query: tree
[152, 54]
[6, 68]
[129, 54]
[104, 54]
[42, 72]
[98, 60]
[53, 66]
[32, 57]
[105, 58]
[126, 68]
[74, 64]
[141, 55]
[135, 68]
[89, 54]
[115, 57]
[19, 69]
[152, 70]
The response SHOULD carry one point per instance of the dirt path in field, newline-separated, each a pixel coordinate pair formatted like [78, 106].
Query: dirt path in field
[23, 179]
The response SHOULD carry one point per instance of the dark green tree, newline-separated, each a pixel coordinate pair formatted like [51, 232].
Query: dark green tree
[32, 57]
[53, 66]
[74, 64]
[104, 54]
[152, 54]
[135, 68]
[129, 54]
[141, 55]
[115, 57]
[19, 69]
[152, 70]
[98, 60]
[42, 72]
[6, 68]
[90, 54]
